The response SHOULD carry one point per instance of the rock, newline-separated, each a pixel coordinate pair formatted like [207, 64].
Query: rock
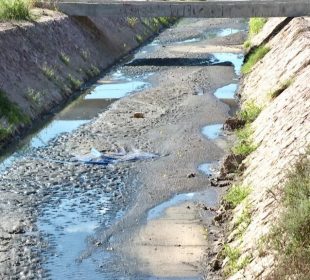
[138, 115]
[216, 264]
[222, 184]
[191, 175]
[231, 164]
[233, 123]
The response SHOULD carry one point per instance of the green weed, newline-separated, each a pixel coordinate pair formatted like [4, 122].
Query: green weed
[132, 21]
[10, 111]
[247, 44]
[35, 97]
[282, 87]
[139, 39]
[85, 54]
[249, 111]
[256, 25]
[64, 58]
[244, 220]
[291, 236]
[49, 73]
[74, 83]
[15, 9]
[244, 145]
[164, 21]
[236, 194]
[93, 71]
[235, 263]
[253, 58]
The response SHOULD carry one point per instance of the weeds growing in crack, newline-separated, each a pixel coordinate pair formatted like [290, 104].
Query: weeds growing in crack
[244, 145]
[253, 58]
[283, 86]
[249, 111]
[236, 194]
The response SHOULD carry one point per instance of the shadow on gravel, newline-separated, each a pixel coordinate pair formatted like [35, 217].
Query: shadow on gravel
[177, 62]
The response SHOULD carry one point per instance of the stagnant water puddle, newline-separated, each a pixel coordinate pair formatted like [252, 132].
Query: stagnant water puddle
[209, 197]
[74, 212]
[212, 131]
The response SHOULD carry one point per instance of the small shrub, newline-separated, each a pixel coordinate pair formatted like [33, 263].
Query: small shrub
[244, 145]
[256, 25]
[249, 112]
[64, 58]
[74, 83]
[253, 58]
[236, 194]
[282, 87]
[132, 21]
[93, 71]
[15, 9]
[291, 236]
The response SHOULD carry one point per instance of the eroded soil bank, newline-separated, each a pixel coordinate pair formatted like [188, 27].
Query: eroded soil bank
[140, 219]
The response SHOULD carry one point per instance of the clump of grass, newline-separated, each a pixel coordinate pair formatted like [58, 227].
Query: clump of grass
[15, 9]
[10, 111]
[249, 111]
[64, 58]
[256, 25]
[139, 38]
[12, 115]
[253, 58]
[74, 83]
[93, 71]
[132, 21]
[247, 44]
[244, 220]
[85, 54]
[164, 21]
[291, 236]
[236, 194]
[235, 263]
[282, 87]
[34, 96]
[244, 145]
[49, 73]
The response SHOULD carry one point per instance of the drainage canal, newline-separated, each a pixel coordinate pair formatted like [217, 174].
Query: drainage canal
[95, 196]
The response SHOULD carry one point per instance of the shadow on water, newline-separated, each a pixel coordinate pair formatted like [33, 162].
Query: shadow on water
[178, 62]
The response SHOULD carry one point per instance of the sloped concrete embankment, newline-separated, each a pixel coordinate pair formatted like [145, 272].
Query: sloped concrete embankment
[43, 62]
[282, 135]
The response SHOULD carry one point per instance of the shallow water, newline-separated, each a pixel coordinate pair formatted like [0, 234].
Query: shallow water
[212, 131]
[226, 92]
[209, 196]
[235, 58]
